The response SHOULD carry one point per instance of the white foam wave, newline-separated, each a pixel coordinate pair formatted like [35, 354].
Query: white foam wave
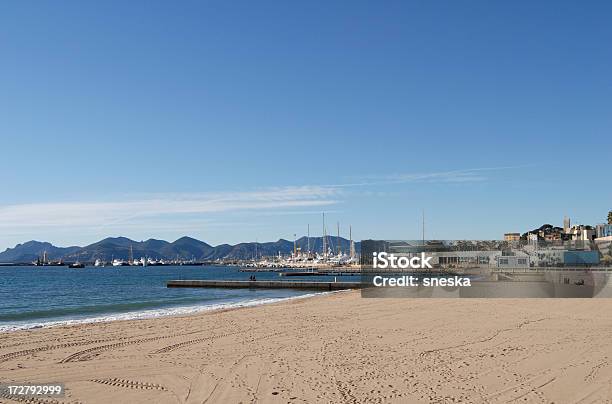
[162, 312]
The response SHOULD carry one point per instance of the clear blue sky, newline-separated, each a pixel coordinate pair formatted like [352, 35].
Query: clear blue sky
[236, 121]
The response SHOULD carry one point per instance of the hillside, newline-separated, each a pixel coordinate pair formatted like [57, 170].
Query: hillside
[185, 248]
[30, 251]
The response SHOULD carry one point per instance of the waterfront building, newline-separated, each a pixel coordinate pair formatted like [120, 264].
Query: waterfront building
[513, 261]
[604, 245]
[603, 230]
[580, 258]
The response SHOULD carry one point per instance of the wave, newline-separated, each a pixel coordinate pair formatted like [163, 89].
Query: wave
[94, 309]
[162, 312]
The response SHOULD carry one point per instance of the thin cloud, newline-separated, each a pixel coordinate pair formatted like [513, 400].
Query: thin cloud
[192, 211]
[451, 176]
[145, 209]
[76, 214]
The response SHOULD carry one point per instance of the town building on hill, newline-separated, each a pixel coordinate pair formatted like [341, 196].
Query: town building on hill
[582, 233]
[512, 236]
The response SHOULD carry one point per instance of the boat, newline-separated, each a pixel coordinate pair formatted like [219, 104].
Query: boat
[99, 263]
[76, 265]
[45, 262]
[39, 263]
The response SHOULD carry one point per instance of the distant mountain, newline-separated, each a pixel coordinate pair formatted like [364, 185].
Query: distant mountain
[250, 250]
[220, 251]
[185, 248]
[117, 247]
[30, 251]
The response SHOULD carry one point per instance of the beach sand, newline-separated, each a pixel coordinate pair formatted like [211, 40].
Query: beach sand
[333, 348]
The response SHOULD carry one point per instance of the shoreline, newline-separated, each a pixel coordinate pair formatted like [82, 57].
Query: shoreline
[164, 312]
[336, 347]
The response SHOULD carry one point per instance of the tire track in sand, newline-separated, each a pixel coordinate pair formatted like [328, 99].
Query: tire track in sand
[196, 341]
[87, 354]
[130, 384]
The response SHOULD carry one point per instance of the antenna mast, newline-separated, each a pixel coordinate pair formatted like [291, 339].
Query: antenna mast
[423, 226]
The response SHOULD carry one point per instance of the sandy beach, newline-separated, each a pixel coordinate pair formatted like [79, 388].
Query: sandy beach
[334, 348]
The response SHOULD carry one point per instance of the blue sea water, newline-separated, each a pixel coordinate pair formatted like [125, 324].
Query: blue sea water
[46, 296]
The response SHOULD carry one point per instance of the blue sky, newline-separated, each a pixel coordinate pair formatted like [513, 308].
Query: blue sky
[236, 121]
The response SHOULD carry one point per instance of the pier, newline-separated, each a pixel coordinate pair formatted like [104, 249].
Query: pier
[264, 284]
[324, 272]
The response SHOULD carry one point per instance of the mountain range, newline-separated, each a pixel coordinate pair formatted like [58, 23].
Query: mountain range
[185, 248]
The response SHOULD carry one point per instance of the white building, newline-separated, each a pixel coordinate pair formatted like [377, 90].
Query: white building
[582, 233]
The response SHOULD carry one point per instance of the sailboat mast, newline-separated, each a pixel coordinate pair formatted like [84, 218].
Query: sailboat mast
[338, 240]
[308, 239]
[324, 239]
[351, 245]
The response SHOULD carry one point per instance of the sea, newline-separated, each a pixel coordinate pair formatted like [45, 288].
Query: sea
[35, 297]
